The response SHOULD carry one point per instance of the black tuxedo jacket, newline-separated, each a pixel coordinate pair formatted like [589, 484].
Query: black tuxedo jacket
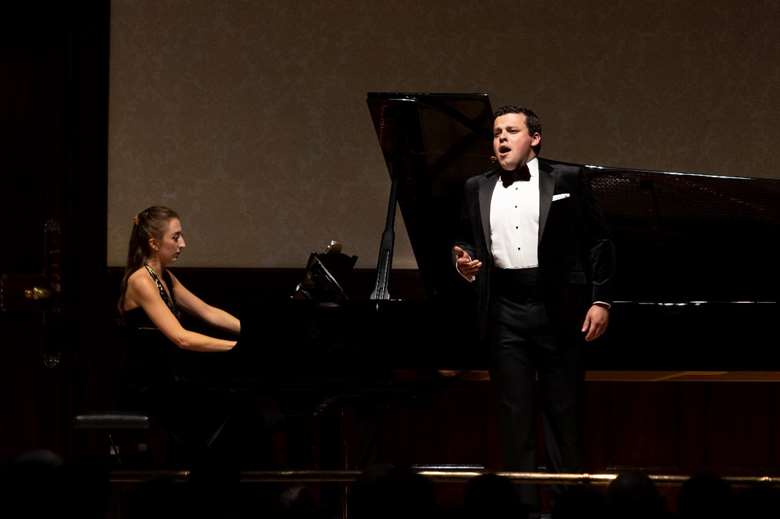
[576, 256]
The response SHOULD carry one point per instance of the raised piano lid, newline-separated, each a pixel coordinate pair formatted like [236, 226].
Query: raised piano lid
[432, 143]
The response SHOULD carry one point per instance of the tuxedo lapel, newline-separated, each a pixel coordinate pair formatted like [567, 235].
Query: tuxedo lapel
[546, 190]
[485, 195]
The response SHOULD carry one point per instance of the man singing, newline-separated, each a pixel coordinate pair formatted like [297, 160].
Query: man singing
[536, 247]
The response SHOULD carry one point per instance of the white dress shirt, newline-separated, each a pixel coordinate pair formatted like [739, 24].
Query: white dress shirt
[514, 222]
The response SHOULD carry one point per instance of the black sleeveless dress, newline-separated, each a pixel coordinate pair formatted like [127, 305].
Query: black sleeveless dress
[162, 380]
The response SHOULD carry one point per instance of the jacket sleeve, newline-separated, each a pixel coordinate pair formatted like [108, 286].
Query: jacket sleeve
[464, 237]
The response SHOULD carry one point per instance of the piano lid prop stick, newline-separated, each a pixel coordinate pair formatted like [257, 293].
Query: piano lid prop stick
[384, 262]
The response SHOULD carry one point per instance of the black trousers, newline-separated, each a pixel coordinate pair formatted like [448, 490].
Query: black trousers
[535, 361]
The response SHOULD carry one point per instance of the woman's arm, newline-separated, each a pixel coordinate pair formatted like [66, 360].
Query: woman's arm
[141, 290]
[196, 306]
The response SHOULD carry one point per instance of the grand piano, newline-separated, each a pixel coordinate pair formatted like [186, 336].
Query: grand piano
[697, 285]
[698, 279]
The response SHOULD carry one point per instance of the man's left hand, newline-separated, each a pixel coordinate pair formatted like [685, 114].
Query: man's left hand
[595, 324]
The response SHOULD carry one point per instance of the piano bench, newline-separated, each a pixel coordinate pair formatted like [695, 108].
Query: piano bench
[120, 431]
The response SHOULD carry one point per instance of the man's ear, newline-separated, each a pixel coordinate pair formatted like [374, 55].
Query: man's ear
[536, 139]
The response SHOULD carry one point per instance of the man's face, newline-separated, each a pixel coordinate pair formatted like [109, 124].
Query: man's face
[512, 144]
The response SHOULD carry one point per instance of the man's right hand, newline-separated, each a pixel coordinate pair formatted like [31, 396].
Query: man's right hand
[467, 266]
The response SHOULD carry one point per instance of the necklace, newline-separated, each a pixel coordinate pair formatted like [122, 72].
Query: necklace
[169, 300]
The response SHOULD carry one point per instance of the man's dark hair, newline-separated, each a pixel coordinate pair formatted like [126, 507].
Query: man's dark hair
[532, 120]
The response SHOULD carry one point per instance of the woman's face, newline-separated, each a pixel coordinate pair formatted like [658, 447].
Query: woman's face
[171, 244]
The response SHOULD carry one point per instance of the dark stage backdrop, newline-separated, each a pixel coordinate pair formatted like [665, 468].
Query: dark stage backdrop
[53, 156]
[250, 117]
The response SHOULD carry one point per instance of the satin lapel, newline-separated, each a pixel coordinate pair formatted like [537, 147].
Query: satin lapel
[546, 190]
[485, 195]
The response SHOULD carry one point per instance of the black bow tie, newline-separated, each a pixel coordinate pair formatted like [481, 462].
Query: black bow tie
[521, 174]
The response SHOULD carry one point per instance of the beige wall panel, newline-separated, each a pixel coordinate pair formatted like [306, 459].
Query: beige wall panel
[249, 117]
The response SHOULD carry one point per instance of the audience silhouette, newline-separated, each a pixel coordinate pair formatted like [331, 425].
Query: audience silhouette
[39, 484]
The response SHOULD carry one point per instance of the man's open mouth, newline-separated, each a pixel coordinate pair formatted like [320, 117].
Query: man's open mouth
[504, 149]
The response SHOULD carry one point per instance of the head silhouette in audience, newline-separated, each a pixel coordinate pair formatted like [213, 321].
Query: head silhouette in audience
[634, 495]
[580, 502]
[759, 502]
[490, 496]
[389, 492]
[705, 496]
